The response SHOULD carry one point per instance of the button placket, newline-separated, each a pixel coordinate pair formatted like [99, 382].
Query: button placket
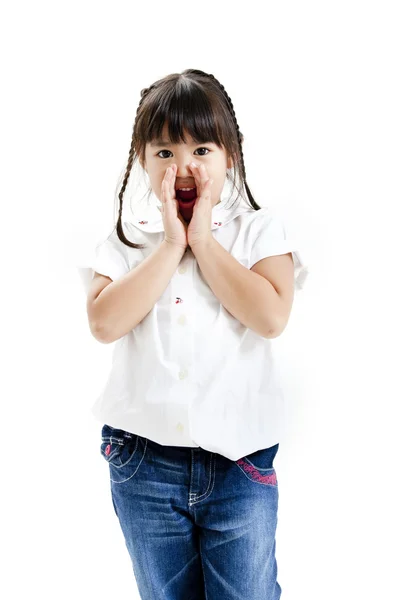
[182, 345]
[182, 320]
[181, 270]
[183, 373]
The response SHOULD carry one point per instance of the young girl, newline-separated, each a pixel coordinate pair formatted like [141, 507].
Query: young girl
[193, 290]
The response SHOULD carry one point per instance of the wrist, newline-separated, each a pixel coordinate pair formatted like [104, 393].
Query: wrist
[178, 249]
[202, 244]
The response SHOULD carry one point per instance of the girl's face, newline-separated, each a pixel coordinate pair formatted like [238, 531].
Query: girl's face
[159, 156]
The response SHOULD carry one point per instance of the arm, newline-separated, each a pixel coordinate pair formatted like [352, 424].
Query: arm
[124, 303]
[247, 296]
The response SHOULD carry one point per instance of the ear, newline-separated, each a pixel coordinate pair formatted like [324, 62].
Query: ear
[231, 161]
[142, 164]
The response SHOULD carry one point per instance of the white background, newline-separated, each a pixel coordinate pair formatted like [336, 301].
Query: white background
[315, 87]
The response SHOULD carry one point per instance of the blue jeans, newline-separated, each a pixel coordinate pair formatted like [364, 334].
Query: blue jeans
[197, 525]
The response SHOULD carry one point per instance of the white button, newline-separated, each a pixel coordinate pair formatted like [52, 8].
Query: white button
[183, 373]
[182, 320]
[182, 269]
[179, 427]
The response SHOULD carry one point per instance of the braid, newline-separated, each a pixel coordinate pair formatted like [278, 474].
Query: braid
[239, 134]
[144, 93]
[239, 137]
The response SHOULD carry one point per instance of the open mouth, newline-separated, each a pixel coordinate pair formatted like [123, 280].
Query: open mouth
[186, 195]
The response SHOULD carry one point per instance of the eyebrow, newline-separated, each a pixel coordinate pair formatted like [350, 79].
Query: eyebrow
[160, 143]
[157, 143]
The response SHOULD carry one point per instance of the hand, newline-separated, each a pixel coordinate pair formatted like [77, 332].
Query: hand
[199, 228]
[175, 228]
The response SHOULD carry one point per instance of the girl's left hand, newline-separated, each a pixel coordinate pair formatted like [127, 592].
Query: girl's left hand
[199, 228]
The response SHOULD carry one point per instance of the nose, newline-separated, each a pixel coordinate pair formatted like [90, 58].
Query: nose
[183, 170]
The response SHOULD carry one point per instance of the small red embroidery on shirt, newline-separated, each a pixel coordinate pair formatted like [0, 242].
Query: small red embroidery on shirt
[108, 449]
[219, 223]
[255, 474]
[178, 300]
[143, 222]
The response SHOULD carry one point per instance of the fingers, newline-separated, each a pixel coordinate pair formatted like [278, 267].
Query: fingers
[164, 185]
[203, 182]
[168, 184]
[166, 190]
[171, 170]
[172, 180]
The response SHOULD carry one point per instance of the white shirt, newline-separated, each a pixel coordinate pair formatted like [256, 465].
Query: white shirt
[190, 374]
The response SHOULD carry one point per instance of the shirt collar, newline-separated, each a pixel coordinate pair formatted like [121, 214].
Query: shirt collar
[149, 219]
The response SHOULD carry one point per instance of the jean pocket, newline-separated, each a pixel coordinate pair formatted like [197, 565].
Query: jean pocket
[258, 466]
[123, 452]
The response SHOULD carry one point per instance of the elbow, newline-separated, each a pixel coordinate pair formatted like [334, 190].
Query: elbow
[100, 334]
[275, 330]
[271, 334]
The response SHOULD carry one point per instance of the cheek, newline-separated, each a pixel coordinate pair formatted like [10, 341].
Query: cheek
[217, 185]
[156, 176]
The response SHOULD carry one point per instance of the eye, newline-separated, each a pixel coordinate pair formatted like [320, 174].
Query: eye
[162, 151]
[171, 153]
[203, 149]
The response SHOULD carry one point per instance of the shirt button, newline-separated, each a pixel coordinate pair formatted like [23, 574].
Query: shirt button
[182, 269]
[179, 427]
[182, 320]
[183, 373]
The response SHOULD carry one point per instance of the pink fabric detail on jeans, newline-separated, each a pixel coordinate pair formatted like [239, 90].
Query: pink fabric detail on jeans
[108, 449]
[255, 473]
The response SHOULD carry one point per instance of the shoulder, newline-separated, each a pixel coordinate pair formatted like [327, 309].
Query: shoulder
[254, 222]
[112, 240]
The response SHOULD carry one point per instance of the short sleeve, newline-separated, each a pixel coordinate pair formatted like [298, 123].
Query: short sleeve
[270, 238]
[108, 257]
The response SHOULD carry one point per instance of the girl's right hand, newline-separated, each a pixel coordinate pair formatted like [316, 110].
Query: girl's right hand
[175, 227]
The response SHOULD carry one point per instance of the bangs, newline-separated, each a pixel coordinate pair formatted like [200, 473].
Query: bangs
[185, 108]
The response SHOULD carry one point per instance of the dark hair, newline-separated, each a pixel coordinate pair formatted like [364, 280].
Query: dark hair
[191, 101]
